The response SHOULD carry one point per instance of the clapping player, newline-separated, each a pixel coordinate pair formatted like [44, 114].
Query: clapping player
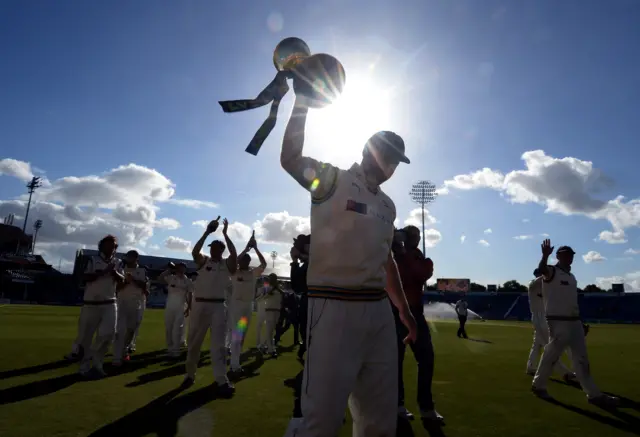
[102, 275]
[208, 311]
[131, 297]
[243, 294]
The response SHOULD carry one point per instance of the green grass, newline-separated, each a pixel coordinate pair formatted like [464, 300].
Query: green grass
[480, 388]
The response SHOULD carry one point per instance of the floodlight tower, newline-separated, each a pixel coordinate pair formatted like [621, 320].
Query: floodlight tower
[36, 227]
[274, 255]
[423, 193]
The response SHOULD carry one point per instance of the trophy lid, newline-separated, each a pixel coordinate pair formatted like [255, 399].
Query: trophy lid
[290, 52]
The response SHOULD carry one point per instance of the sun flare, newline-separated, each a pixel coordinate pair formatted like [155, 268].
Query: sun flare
[343, 127]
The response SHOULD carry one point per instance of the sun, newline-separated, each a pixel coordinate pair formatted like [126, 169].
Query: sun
[343, 127]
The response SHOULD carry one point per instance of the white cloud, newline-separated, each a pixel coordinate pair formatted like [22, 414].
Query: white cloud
[177, 244]
[415, 218]
[192, 203]
[544, 235]
[563, 185]
[200, 223]
[632, 252]
[631, 281]
[280, 227]
[432, 237]
[615, 237]
[462, 238]
[526, 220]
[488, 231]
[17, 169]
[78, 211]
[592, 256]
[485, 178]
[484, 243]
[523, 237]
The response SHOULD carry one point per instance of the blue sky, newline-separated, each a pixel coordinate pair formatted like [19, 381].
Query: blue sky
[88, 87]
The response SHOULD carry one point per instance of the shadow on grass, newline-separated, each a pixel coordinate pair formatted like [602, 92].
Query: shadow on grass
[479, 340]
[159, 417]
[179, 369]
[627, 422]
[54, 365]
[404, 428]
[37, 388]
[625, 402]
[51, 385]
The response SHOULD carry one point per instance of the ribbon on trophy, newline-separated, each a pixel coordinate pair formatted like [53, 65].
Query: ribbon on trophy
[274, 92]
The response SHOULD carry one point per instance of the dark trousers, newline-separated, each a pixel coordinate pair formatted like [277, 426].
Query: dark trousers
[286, 320]
[423, 353]
[461, 331]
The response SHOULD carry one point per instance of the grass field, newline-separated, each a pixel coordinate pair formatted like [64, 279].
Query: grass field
[479, 386]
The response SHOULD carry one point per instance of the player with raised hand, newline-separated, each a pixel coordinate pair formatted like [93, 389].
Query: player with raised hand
[208, 312]
[243, 294]
[560, 293]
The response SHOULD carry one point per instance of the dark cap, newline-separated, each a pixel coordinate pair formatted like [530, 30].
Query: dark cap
[181, 264]
[132, 253]
[218, 242]
[536, 273]
[564, 249]
[390, 143]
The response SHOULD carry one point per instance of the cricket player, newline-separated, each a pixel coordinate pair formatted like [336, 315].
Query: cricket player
[272, 305]
[560, 291]
[179, 294]
[351, 334]
[261, 316]
[541, 330]
[77, 353]
[131, 297]
[209, 310]
[102, 275]
[244, 290]
[462, 309]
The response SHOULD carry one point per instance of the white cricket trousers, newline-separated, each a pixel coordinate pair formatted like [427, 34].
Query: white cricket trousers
[174, 323]
[75, 348]
[98, 320]
[351, 360]
[540, 340]
[565, 334]
[261, 318]
[271, 320]
[141, 309]
[128, 315]
[205, 316]
[237, 310]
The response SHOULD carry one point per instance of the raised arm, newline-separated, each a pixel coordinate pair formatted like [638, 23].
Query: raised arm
[263, 262]
[195, 253]
[232, 261]
[543, 266]
[317, 177]
[398, 298]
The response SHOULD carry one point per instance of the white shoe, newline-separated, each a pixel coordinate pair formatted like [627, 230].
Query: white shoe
[431, 415]
[294, 426]
[403, 413]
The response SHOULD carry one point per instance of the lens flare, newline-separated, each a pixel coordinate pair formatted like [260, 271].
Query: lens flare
[240, 329]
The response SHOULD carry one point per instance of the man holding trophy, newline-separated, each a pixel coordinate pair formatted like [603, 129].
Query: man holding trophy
[351, 334]
[208, 310]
